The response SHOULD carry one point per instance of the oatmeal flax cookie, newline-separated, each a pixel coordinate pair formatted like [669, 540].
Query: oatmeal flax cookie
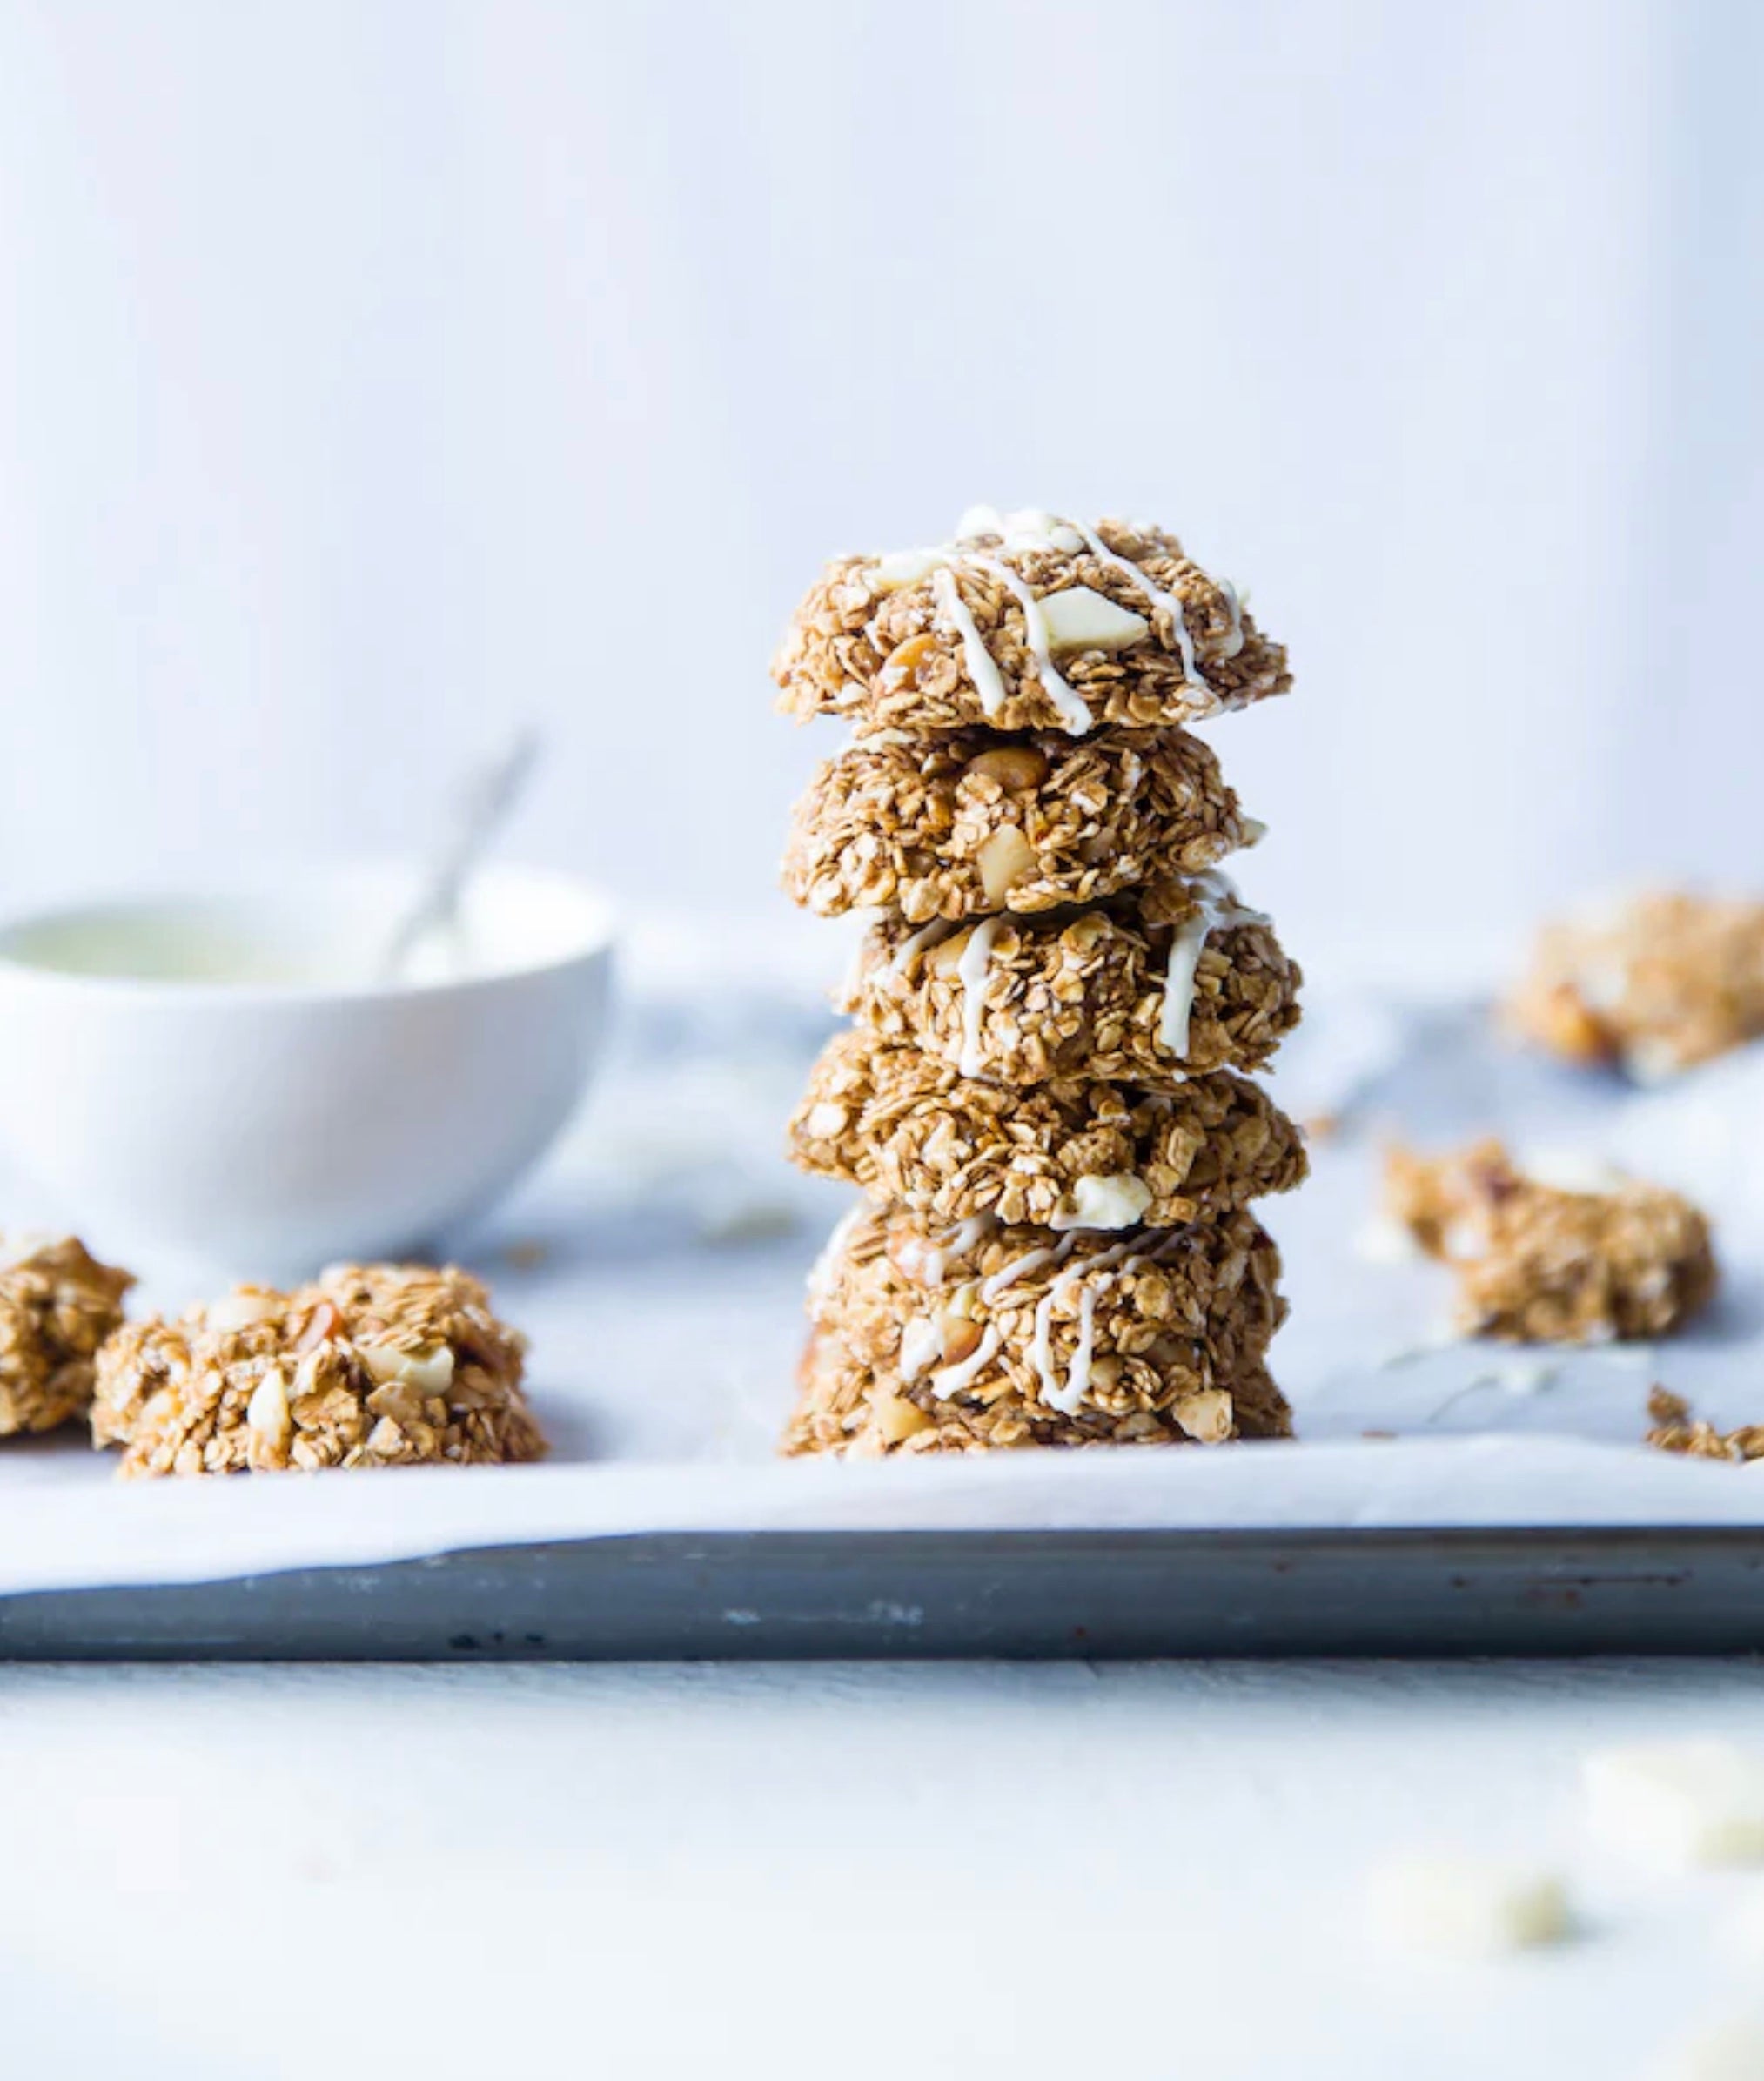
[958, 825]
[1541, 1262]
[58, 1305]
[1667, 981]
[1026, 621]
[372, 1366]
[993, 1335]
[907, 1127]
[1027, 1000]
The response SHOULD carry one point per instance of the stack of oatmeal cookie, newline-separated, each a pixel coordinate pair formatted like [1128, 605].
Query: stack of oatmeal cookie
[1043, 1098]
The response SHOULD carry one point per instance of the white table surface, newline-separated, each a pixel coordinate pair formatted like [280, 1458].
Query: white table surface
[827, 1871]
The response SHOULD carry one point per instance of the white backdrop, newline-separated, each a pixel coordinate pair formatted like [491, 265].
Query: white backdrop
[371, 370]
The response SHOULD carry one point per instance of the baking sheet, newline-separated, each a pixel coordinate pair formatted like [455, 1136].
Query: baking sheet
[658, 1265]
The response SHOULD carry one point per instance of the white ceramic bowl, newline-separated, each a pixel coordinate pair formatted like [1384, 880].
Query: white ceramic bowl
[219, 1078]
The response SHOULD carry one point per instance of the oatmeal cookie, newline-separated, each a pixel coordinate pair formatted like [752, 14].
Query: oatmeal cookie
[958, 825]
[372, 1366]
[1669, 981]
[854, 1409]
[1108, 993]
[58, 1305]
[1025, 622]
[907, 1127]
[1539, 1262]
[991, 1335]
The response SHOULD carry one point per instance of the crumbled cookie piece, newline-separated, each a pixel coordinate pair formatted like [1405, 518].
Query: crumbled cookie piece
[907, 1127]
[1675, 1430]
[1025, 622]
[928, 1338]
[58, 1305]
[1107, 994]
[372, 1366]
[966, 824]
[1538, 1263]
[1670, 981]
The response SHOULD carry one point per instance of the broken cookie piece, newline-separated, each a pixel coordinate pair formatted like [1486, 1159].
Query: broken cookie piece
[371, 1366]
[58, 1305]
[1539, 1262]
[1668, 980]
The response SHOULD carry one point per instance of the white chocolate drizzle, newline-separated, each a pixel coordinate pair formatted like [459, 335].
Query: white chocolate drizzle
[1032, 1260]
[1074, 714]
[921, 1342]
[1089, 1279]
[1234, 607]
[822, 1273]
[972, 967]
[1158, 597]
[1033, 529]
[1217, 903]
[989, 681]
[918, 942]
[951, 1379]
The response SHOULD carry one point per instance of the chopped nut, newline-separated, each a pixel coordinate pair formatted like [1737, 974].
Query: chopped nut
[268, 1418]
[1018, 768]
[1006, 858]
[894, 1417]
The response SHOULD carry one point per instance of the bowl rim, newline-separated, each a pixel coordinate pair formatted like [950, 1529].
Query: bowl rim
[597, 934]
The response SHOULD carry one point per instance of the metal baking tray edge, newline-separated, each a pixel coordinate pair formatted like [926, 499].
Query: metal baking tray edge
[781, 1595]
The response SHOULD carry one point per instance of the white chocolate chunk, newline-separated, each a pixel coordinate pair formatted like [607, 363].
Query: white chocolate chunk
[239, 1309]
[1081, 620]
[429, 1372]
[978, 520]
[903, 568]
[1678, 1804]
[1466, 1907]
[1116, 1202]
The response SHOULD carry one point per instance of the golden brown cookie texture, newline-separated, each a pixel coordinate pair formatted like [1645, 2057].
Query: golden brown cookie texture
[1658, 985]
[57, 1305]
[1023, 1001]
[1539, 1261]
[966, 824]
[1026, 621]
[987, 1334]
[908, 1128]
[370, 1366]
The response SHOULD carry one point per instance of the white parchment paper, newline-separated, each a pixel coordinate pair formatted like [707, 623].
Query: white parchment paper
[658, 1265]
